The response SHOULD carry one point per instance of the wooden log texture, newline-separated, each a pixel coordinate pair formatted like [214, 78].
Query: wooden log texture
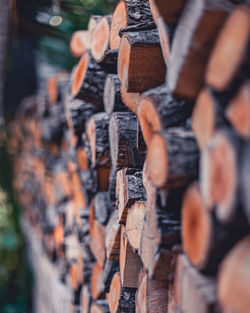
[130, 99]
[128, 13]
[88, 81]
[112, 241]
[85, 299]
[80, 43]
[139, 56]
[97, 286]
[122, 136]
[129, 189]
[172, 158]
[111, 267]
[158, 110]
[112, 96]
[199, 25]
[232, 43]
[93, 22]
[99, 306]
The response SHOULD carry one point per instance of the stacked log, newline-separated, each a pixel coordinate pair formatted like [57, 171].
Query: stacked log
[134, 168]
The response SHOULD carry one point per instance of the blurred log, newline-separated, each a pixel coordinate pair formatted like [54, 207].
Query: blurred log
[234, 278]
[238, 110]
[83, 157]
[122, 134]
[166, 34]
[129, 189]
[99, 307]
[128, 13]
[80, 43]
[97, 287]
[93, 21]
[88, 81]
[134, 223]
[157, 110]
[161, 231]
[139, 56]
[113, 232]
[152, 295]
[244, 181]
[231, 44]
[85, 299]
[98, 135]
[204, 240]
[130, 262]
[130, 99]
[172, 158]
[102, 207]
[199, 25]
[110, 268]
[140, 143]
[112, 97]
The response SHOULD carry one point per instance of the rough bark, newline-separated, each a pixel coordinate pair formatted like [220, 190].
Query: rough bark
[102, 207]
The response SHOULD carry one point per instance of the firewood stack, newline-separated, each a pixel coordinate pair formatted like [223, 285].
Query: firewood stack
[134, 169]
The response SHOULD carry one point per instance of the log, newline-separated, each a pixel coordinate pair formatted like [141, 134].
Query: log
[244, 181]
[137, 27]
[130, 262]
[204, 240]
[166, 34]
[102, 207]
[238, 110]
[99, 307]
[112, 96]
[161, 231]
[85, 299]
[231, 44]
[98, 135]
[80, 43]
[122, 136]
[218, 177]
[173, 158]
[83, 155]
[134, 223]
[128, 13]
[120, 299]
[168, 10]
[97, 287]
[93, 22]
[207, 117]
[140, 143]
[110, 268]
[112, 241]
[108, 62]
[158, 110]
[152, 295]
[199, 25]
[130, 99]
[100, 42]
[139, 56]
[88, 81]
[234, 278]
[129, 189]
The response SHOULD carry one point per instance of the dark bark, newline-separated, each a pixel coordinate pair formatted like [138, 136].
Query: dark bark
[127, 300]
[138, 12]
[108, 62]
[102, 207]
[137, 27]
[110, 268]
[140, 143]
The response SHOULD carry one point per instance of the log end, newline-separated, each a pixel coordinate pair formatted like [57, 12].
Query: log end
[79, 74]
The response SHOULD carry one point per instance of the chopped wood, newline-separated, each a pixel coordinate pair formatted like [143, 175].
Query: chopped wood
[110, 268]
[244, 181]
[130, 99]
[85, 299]
[113, 232]
[93, 22]
[97, 287]
[99, 307]
[80, 43]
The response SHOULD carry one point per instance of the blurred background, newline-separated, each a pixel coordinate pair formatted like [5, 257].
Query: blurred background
[34, 44]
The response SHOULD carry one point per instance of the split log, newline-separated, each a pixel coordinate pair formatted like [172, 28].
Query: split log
[173, 158]
[130, 262]
[234, 278]
[219, 178]
[232, 44]
[134, 223]
[157, 110]
[139, 56]
[207, 117]
[80, 43]
[97, 287]
[122, 136]
[244, 181]
[170, 11]
[161, 231]
[152, 295]
[129, 189]
[120, 299]
[98, 135]
[199, 25]
[100, 306]
[110, 268]
[128, 13]
[112, 96]
[238, 110]
[88, 81]
[85, 299]
[112, 243]
[130, 99]
[100, 42]
[204, 240]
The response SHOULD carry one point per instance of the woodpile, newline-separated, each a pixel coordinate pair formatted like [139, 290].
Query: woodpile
[134, 169]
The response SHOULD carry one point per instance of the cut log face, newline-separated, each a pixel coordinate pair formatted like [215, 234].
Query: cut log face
[231, 44]
[130, 99]
[101, 36]
[157, 110]
[80, 43]
[52, 90]
[114, 294]
[172, 158]
[170, 11]
[113, 232]
[93, 22]
[139, 56]
[234, 279]
[134, 223]
[97, 287]
[199, 26]
[128, 13]
[219, 175]
[85, 299]
[238, 111]
[196, 227]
